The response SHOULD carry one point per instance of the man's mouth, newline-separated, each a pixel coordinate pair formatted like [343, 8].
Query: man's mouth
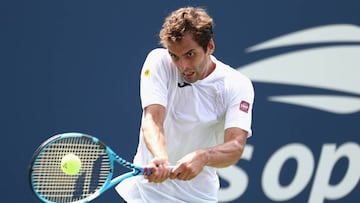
[188, 74]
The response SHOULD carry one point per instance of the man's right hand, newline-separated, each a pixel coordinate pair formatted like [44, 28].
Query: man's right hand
[160, 170]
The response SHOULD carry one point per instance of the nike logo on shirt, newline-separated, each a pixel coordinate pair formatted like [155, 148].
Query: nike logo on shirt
[181, 85]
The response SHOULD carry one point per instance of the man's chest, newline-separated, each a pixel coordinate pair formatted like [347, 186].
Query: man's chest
[198, 103]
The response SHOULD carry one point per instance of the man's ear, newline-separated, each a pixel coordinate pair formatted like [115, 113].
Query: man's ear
[211, 46]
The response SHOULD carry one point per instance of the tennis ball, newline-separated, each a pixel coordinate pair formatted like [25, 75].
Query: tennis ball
[70, 164]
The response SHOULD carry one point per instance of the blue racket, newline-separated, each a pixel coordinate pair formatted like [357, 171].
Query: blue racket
[50, 184]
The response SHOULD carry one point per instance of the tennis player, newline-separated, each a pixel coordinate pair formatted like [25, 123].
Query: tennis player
[197, 114]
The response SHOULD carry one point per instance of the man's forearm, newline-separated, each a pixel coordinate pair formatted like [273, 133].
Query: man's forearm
[225, 154]
[230, 151]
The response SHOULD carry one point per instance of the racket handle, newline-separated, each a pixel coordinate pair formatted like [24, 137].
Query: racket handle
[147, 170]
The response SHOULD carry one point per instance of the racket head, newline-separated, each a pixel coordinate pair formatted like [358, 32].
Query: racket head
[50, 184]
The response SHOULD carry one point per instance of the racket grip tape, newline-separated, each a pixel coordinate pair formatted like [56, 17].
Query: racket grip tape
[147, 171]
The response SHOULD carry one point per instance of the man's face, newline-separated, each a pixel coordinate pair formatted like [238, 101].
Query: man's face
[191, 59]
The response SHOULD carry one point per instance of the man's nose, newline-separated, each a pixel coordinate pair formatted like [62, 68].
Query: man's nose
[183, 64]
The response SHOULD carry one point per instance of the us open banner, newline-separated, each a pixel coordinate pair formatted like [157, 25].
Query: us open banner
[315, 157]
[73, 66]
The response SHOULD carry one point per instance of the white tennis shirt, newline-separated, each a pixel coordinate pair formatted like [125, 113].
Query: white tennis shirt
[196, 116]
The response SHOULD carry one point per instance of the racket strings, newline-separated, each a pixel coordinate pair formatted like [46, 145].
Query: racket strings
[54, 185]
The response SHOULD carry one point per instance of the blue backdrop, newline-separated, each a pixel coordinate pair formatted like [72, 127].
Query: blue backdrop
[74, 66]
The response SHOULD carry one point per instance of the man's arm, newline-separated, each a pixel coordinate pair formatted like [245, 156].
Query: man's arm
[230, 151]
[153, 132]
[219, 156]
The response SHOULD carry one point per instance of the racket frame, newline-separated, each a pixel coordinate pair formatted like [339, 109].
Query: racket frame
[113, 157]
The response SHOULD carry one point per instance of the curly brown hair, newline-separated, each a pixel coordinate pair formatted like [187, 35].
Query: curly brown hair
[184, 20]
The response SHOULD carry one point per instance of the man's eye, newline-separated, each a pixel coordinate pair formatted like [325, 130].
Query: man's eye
[173, 56]
[190, 54]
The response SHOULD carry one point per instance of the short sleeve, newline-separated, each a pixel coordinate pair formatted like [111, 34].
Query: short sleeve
[241, 99]
[154, 78]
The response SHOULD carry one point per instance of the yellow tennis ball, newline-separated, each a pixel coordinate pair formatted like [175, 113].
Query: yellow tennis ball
[70, 164]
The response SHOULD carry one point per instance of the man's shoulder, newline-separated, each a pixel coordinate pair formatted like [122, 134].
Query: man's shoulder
[233, 78]
[158, 52]
[230, 73]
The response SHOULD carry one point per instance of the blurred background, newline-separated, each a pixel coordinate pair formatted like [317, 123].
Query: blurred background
[73, 66]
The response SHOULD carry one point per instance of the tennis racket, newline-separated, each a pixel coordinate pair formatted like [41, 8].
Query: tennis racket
[51, 185]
